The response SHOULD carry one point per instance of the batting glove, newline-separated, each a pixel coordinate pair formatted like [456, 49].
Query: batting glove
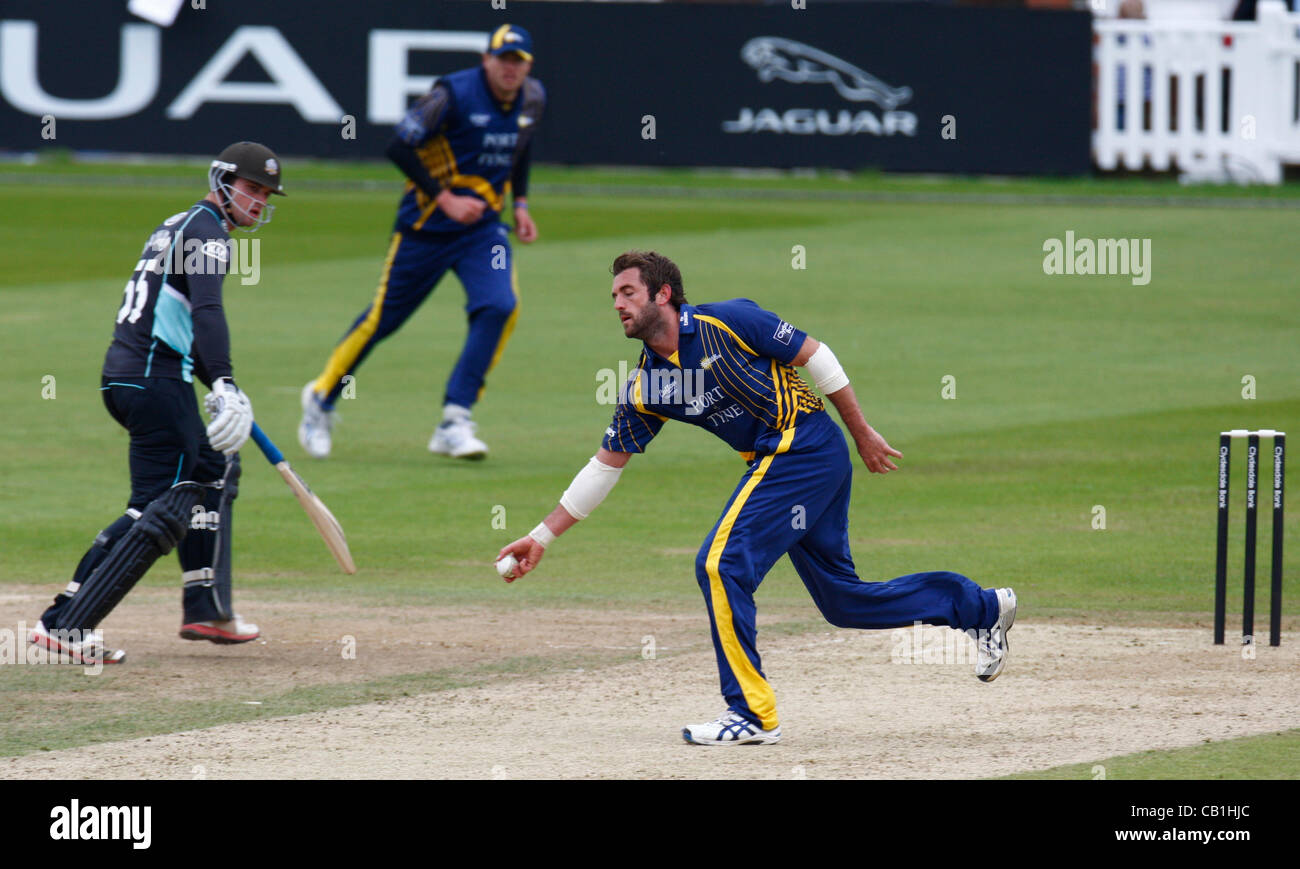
[232, 416]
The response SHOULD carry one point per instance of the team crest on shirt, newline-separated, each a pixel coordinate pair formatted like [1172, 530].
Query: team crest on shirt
[784, 332]
[480, 119]
[707, 362]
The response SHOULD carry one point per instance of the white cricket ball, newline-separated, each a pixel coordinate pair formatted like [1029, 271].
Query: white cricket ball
[506, 567]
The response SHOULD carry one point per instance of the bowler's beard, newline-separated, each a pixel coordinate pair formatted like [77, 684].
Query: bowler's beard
[647, 325]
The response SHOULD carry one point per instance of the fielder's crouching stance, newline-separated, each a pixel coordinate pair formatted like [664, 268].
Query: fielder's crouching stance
[172, 326]
[729, 367]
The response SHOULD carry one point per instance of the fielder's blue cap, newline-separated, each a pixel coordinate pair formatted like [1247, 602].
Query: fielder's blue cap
[511, 37]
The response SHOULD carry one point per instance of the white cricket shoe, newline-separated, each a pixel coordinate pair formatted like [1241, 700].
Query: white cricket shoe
[79, 647]
[317, 423]
[991, 645]
[455, 438]
[730, 729]
[225, 632]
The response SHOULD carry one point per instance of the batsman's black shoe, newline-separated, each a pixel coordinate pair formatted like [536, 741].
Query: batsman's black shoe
[75, 646]
[991, 645]
[226, 632]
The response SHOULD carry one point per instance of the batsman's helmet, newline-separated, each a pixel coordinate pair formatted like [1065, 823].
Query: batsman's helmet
[252, 161]
[249, 160]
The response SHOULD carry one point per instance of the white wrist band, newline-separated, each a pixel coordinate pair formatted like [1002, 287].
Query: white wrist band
[826, 372]
[542, 535]
[589, 488]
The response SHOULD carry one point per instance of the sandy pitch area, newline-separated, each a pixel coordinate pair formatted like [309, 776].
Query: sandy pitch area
[852, 705]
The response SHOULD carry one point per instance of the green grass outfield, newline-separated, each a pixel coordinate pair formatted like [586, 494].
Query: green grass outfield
[57, 166]
[1072, 392]
[1267, 757]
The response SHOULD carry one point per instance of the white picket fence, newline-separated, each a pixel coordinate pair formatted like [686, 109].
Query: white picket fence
[1217, 100]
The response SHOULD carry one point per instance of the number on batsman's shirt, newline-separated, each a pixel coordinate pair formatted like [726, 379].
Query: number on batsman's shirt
[171, 322]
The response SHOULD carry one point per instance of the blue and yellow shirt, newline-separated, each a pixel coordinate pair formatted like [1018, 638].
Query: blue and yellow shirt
[470, 143]
[731, 375]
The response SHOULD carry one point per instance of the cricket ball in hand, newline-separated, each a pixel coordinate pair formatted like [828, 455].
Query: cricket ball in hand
[506, 567]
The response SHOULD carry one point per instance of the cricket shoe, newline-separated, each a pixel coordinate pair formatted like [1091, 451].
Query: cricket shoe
[225, 633]
[730, 729]
[79, 647]
[991, 645]
[455, 438]
[317, 423]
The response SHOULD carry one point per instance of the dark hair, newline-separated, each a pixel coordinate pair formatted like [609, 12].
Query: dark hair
[656, 270]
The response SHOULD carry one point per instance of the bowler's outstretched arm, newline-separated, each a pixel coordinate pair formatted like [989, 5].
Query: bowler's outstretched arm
[584, 494]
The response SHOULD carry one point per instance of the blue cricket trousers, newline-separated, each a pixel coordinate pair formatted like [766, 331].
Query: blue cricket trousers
[416, 262]
[795, 501]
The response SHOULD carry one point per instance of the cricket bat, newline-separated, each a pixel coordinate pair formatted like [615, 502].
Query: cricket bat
[320, 515]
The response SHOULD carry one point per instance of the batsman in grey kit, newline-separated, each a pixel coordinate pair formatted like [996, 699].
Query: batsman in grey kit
[170, 328]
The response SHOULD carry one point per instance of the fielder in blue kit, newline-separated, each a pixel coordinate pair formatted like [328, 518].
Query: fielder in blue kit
[463, 147]
[729, 367]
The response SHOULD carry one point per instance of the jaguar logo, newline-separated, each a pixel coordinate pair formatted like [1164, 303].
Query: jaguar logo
[776, 58]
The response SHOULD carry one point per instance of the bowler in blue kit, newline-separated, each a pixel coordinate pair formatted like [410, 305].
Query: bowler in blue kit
[464, 147]
[730, 368]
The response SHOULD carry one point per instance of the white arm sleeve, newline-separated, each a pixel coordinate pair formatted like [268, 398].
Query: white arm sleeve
[589, 488]
[826, 372]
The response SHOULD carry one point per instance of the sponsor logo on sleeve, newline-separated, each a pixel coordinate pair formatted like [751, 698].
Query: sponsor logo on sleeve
[784, 332]
[217, 250]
